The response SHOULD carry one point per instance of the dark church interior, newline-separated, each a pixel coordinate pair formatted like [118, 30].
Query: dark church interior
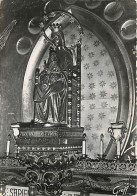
[68, 98]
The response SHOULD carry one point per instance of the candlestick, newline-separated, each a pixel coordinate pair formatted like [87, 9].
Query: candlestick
[15, 128]
[8, 145]
[117, 131]
[101, 145]
[84, 145]
[118, 148]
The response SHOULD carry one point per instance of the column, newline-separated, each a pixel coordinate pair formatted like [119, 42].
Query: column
[78, 83]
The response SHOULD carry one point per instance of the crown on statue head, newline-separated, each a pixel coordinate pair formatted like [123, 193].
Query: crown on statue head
[55, 27]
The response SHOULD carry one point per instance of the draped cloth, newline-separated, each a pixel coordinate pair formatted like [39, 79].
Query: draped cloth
[50, 93]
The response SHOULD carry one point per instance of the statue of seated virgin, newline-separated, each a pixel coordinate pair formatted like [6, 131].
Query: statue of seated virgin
[51, 84]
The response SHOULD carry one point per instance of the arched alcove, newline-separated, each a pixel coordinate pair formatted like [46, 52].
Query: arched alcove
[119, 59]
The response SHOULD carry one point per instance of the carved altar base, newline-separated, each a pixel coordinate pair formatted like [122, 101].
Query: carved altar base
[42, 139]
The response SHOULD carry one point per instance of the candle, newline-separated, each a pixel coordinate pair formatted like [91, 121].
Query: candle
[135, 147]
[8, 146]
[2, 188]
[101, 145]
[118, 148]
[65, 141]
[84, 145]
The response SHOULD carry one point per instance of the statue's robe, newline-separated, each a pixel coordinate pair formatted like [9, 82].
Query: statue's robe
[51, 91]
